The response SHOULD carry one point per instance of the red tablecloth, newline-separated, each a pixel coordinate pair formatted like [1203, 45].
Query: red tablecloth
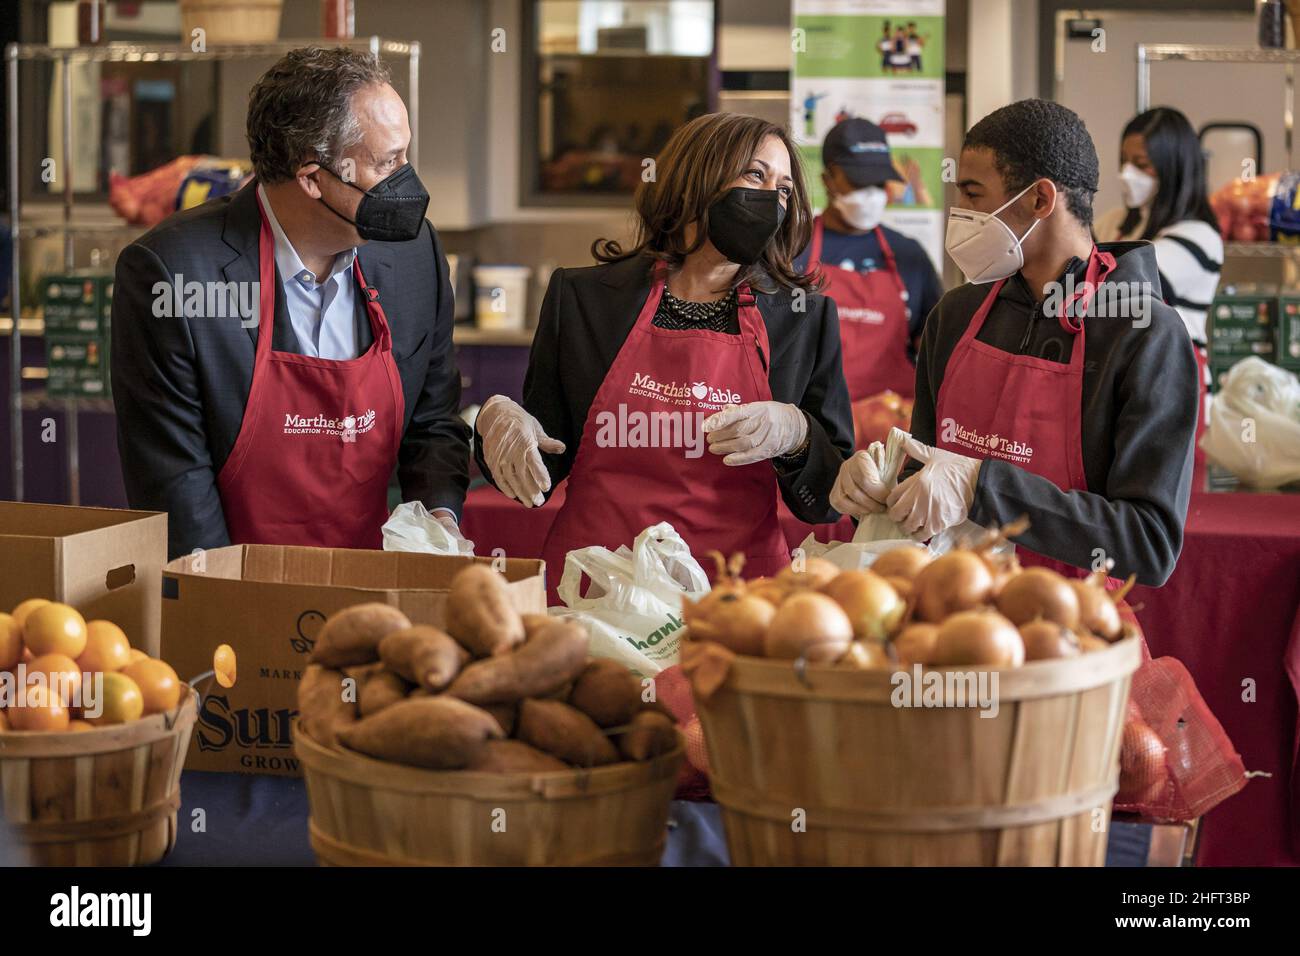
[1230, 613]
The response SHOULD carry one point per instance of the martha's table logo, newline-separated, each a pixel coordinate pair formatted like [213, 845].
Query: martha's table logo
[994, 445]
[683, 393]
[864, 314]
[346, 428]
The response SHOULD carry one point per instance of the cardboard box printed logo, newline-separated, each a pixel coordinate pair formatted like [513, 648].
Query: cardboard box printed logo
[269, 602]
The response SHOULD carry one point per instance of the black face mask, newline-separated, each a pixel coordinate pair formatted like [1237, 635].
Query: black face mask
[392, 210]
[742, 221]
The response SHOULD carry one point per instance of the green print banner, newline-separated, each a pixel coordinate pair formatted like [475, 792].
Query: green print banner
[882, 60]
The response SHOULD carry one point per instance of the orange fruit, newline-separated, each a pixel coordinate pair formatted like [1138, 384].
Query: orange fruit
[107, 648]
[137, 655]
[55, 629]
[60, 668]
[40, 710]
[122, 701]
[11, 642]
[80, 725]
[158, 683]
[26, 608]
[223, 663]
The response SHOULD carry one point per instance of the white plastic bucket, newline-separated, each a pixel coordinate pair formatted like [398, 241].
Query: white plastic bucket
[501, 296]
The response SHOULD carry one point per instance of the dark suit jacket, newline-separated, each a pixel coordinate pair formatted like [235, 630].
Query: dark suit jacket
[586, 317]
[180, 384]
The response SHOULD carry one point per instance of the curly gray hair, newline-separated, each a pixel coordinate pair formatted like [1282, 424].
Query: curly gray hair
[301, 109]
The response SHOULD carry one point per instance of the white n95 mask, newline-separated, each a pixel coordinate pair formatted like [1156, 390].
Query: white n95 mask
[1138, 187]
[983, 246]
[863, 208]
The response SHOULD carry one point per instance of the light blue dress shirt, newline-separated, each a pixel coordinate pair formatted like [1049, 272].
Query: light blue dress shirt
[322, 313]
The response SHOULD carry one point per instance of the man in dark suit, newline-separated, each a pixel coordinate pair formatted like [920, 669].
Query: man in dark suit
[360, 359]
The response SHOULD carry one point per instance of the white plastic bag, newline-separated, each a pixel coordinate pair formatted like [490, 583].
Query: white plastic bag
[1254, 424]
[633, 605]
[411, 528]
[876, 533]
[879, 533]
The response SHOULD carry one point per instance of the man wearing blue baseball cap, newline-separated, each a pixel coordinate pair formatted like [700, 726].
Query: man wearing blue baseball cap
[883, 283]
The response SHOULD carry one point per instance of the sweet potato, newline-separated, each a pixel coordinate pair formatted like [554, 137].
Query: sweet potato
[352, 635]
[479, 614]
[564, 732]
[652, 734]
[381, 688]
[534, 623]
[440, 733]
[423, 655]
[507, 715]
[607, 692]
[553, 657]
[515, 756]
[323, 708]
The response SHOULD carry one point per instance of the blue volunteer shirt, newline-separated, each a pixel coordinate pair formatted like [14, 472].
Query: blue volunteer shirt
[862, 254]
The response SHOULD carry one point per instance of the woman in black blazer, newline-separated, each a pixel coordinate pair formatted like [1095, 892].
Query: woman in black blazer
[686, 379]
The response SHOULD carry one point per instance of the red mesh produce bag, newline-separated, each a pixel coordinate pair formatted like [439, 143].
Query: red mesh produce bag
[1176, 762]
[673, 690]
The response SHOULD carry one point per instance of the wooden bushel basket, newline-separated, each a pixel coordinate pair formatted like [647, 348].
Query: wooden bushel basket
[368, 812]
[830, 772]
[102, 797]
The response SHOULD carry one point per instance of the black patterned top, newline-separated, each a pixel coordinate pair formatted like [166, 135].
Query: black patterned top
[720, 315]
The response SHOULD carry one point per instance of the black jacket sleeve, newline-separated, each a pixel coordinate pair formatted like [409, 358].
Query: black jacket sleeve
[166, 464]
[544, 392]
[433, 460]
[806, 486]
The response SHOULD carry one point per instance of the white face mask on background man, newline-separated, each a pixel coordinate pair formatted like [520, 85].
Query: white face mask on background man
[1138, 187]
[983, 246]
[863, 208]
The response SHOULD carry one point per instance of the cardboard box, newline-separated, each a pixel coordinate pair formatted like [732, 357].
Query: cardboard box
[105, 562]
[268, 602]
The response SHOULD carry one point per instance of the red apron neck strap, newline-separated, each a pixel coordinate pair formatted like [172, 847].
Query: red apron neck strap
[1100, 265]
[374, 310]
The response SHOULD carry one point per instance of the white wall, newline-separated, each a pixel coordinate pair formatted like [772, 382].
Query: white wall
[1001, 55]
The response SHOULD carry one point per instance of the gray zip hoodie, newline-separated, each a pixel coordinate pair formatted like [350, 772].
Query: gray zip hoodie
[1139, 407]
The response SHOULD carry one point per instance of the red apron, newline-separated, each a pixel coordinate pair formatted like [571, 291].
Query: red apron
[873, 314]
[319, 439]
[1020, 408]
[621, 482]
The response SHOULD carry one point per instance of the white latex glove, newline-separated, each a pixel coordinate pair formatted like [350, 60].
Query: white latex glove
[860, 489]
[755, 432]
[448, 520]
[511, 439]
[936, 497]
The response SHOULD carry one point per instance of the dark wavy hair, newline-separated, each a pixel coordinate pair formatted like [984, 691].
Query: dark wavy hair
[1175, 153]
[1038, 139]
[697, 165]
[301, 109]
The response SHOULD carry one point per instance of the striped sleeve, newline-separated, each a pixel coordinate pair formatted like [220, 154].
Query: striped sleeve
[1190, 258]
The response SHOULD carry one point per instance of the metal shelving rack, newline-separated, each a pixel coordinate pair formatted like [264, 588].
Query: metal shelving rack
[1148, 53]
[16, 53]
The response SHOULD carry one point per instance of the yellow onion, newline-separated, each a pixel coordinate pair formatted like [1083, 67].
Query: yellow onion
[915, 644]
[808, 625]
[736, 621]
[1047, 640]
[978, 638]
[957, 581]
[904, 562]
[1039, 593]
[874, 608]
[816, 573]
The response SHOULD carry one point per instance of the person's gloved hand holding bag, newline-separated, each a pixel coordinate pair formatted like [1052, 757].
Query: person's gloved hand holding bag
[936, 497]
[512, 444]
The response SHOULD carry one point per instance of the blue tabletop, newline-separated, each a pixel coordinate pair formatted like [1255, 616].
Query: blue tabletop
[229, 819]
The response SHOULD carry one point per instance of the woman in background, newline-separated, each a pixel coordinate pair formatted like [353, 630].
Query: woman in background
[1162, 177]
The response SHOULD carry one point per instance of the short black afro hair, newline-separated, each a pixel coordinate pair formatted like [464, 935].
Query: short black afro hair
[1039, 139]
